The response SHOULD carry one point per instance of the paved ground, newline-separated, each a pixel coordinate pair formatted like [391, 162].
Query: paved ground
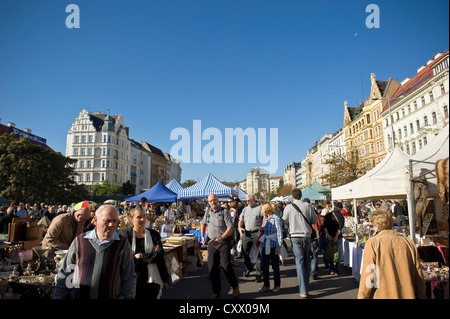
[196, 285]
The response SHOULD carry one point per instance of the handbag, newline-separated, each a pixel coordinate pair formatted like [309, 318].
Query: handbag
[313, 231]
[332, 252]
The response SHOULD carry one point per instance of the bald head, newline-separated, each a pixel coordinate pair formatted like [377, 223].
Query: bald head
[82, 215]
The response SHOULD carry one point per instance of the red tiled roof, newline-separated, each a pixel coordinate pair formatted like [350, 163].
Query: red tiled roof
[415, 83]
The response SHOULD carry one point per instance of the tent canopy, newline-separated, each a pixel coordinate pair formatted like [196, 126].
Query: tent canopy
[175, 186]
[390, 178]
[208, 185]
[320, 188]
[237, 191]
[312, 194]
[158, 193]
[368, 186]
[4, 200]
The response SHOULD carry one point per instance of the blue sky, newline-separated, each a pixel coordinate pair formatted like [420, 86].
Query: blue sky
[288, 65]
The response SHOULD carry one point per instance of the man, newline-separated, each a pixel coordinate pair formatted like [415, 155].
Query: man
[250, 222]
[22, 212]
[50, 213]
[300, 232]
[337, 237]
[400, 214]
[64, 228]
[99, 263]
[220, 241]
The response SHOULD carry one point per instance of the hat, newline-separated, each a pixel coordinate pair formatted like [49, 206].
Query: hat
[110, 202]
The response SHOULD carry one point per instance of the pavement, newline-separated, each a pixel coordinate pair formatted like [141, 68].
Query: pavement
[196, 284]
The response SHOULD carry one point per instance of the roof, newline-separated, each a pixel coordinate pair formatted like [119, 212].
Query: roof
[153, 149]
[420, 79]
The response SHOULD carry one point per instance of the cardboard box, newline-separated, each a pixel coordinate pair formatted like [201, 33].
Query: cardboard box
[28, 244]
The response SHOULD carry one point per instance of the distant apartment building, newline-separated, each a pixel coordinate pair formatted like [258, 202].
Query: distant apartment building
[290, 174]
[419, 108]
[104, 151]
[276, 183]
[258, 182]
[363, 126]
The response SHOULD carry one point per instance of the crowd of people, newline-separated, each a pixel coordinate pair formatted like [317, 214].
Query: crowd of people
[105, 264]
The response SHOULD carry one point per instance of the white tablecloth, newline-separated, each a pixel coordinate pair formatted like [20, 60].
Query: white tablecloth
[353, 257]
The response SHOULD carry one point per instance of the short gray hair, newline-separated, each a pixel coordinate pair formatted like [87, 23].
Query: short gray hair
[101, 208]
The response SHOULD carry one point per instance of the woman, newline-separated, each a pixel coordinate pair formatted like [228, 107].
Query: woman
[151, 271]
[270, 247]
[391, 263]
[236, 235]
[331, 229]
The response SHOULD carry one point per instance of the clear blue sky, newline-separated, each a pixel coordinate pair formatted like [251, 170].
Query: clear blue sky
[251, 64]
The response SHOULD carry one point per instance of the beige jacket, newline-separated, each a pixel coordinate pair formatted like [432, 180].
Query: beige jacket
[391, 268]
[62, 231]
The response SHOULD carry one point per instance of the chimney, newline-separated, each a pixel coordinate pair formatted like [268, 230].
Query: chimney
[372, 78]
[28, 130]
[405, 80]
[11, 124]
[421, 68]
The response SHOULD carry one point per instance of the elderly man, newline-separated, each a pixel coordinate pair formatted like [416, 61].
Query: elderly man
[250, 222]
[99, 263]
[220, 233]
[64, 228]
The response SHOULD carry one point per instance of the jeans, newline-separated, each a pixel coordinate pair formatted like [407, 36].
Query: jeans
[337, 268]
[302, 251]
[266, 260]
[323, 244]
[314, 257]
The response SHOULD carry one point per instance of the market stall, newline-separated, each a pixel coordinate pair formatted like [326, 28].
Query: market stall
[398, 176]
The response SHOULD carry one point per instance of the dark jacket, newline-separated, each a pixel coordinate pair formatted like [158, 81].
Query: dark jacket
[339, 218]
[4, 222]
[157, 257]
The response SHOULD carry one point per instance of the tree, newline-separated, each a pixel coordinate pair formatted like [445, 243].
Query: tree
[189, 182]
[127, 188]
[344, 168]
[32, 173]
[286, 190]
[106, 188]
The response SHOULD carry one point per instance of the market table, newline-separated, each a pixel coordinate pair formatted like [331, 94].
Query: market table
[352, 257]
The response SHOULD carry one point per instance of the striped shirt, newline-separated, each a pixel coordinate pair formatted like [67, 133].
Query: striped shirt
[273, 225]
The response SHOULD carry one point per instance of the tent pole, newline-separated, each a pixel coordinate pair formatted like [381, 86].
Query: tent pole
[411, 204]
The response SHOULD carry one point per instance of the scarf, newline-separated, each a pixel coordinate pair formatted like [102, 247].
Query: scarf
[152, 269]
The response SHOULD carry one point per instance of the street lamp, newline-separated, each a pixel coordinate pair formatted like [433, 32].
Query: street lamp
[390, 116]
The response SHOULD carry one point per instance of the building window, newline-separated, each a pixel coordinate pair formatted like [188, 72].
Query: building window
[83, 138]
[445, 111]
[442, 89]
[76, 139]
[413, 148]
[415, 106]
[405, 130]
[420, 144]
[399, 134]
[423, 100]
[425, 141]
[425, 120]
[409, 109]
[431, 96]
[433, 115]
[411, 128]
[418, 125]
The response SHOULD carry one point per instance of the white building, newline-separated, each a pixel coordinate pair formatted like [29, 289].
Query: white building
[173, 168]
[258, 182]
[140, 167]
[276, 183]
[419, 108]
[101, 145]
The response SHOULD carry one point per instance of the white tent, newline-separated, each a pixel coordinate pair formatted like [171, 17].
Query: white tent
[423, 162]
[208, 185]
[383, 181]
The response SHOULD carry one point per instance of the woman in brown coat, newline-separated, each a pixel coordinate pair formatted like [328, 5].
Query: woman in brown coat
[391, 264]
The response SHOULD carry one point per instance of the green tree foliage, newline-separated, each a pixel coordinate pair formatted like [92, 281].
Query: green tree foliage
[189, 182]
[286, 190]
[344, 169]
[107, 188]
[127, 188]
[32, 173]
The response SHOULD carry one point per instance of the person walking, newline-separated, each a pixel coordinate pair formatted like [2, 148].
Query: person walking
[391, 264]
[220, 232]
[298, 217]
[250, 221]
[99, 264]
[148, 251]
[270, 248]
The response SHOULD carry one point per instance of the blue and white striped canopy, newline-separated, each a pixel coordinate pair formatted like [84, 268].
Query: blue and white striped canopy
[208, 185]
[175, 186]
